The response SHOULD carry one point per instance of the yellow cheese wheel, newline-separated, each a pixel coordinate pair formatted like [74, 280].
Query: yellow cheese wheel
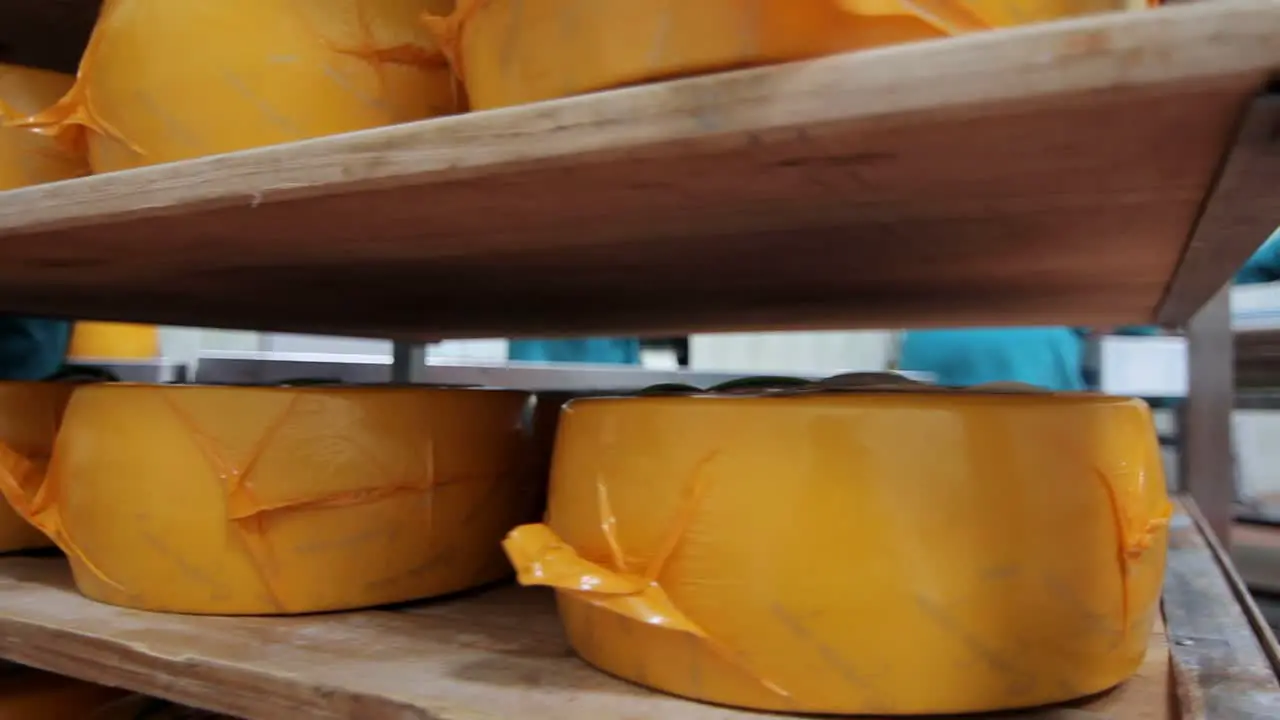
[30, 414]
[870, 553]
[28, 157]
[28, 694]
[113, 341]
[164, 80]
[509, 51]
[265, 500]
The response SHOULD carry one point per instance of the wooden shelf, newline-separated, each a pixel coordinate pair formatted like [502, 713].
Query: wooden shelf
[1050, 174]
[500, 653]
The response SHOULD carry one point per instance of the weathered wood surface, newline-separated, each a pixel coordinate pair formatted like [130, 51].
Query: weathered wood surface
[495, 655]
[1222, 667]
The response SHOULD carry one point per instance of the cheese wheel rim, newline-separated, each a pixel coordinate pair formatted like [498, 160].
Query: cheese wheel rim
[856, 553]
[263, 498]
[306, 70]
[507, 52]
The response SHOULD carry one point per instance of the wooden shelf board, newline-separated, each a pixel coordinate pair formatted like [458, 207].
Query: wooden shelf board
[494, 654]
[1225, 657]
[1047, 174]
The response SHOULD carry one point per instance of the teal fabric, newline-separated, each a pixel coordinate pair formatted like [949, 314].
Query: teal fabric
[1264, 266]
[612, 351]
[1049, 357]
[32, 348]
[1139, 330]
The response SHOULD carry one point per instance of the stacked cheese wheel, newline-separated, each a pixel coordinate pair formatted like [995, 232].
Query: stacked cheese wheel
[99, 341]
[164, 81]
[869, 552]
[509, 52]
[30, 412]
[281, 500]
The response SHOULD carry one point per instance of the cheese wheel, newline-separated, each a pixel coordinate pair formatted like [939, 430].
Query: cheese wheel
[28, 157]
[29, 694]
[265, 500]
[163, 80]
[30, 414]
[509, 52]
[872, 552]
[113, 341]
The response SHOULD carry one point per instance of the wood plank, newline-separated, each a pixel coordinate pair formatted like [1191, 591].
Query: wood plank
[1045, 174]
[495, 654]
[1222, 665]
[1206, 455]
[1240, 214]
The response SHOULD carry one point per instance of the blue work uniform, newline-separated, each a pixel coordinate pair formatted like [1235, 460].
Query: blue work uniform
[1048, 357]
[32, 348]
[1264, 265]
[1051, 357]
[612, 351]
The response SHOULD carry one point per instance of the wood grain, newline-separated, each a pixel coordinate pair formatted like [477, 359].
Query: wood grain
[1240, 213]
[495, 655]
[1046, 174]
[1206, 418]
[1223, 670]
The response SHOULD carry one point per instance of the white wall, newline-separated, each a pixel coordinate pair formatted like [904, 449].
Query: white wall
[186, 344]
[795, 352]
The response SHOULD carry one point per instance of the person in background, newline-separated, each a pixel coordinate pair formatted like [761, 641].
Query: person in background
[32, 348]
[1264, 265]
[1048, 357]
[611, 351]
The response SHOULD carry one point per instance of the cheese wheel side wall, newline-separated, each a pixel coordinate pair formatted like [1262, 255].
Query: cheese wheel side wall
[30, 415]
[164, 81]
[856, 554]
[509, 52]
[30, 412]
[113, 341]
[229, 500]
